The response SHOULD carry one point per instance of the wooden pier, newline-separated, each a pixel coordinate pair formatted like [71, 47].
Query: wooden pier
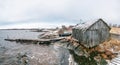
[35, 41]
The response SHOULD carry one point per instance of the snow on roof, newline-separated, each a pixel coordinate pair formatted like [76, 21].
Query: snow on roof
[86, 25]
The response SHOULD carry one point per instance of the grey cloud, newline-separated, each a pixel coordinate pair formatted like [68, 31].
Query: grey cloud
[59, 10]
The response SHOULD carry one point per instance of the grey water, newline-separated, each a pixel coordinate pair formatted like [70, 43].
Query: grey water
[36, 54]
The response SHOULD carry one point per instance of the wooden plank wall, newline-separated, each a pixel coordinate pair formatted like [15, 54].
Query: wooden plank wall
[96, 34]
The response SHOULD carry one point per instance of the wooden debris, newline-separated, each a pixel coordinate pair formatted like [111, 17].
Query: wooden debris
[104, 49]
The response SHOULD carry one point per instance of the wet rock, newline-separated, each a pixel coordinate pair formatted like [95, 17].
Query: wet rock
[22, 59]
[90, 60]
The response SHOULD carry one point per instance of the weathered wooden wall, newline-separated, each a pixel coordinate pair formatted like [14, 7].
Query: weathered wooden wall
[94, 35]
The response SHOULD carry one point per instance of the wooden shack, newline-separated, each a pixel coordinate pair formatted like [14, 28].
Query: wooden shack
[91, 33]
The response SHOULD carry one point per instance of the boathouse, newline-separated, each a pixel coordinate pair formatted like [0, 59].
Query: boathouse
[91, 33]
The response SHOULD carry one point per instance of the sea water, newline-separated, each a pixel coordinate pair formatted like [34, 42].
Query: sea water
[36, 54]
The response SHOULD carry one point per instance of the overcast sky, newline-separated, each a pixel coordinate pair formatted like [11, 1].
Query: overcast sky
[51, 13]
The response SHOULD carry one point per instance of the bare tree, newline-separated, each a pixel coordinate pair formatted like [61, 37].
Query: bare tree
[114, 25]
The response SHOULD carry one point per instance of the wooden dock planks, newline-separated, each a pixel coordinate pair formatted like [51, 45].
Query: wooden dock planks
[40, 41]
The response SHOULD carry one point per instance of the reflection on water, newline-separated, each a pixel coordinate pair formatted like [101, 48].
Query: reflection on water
[12, 53]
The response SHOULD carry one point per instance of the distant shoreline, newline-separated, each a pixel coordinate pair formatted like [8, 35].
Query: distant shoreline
[21, 29]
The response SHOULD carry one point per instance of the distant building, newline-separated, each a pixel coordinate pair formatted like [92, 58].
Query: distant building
[65, 31]
[91, 33]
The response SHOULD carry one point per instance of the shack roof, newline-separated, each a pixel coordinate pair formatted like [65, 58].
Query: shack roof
[87, 25]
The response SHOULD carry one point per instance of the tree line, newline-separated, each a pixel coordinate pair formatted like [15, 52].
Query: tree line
[114, 25]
